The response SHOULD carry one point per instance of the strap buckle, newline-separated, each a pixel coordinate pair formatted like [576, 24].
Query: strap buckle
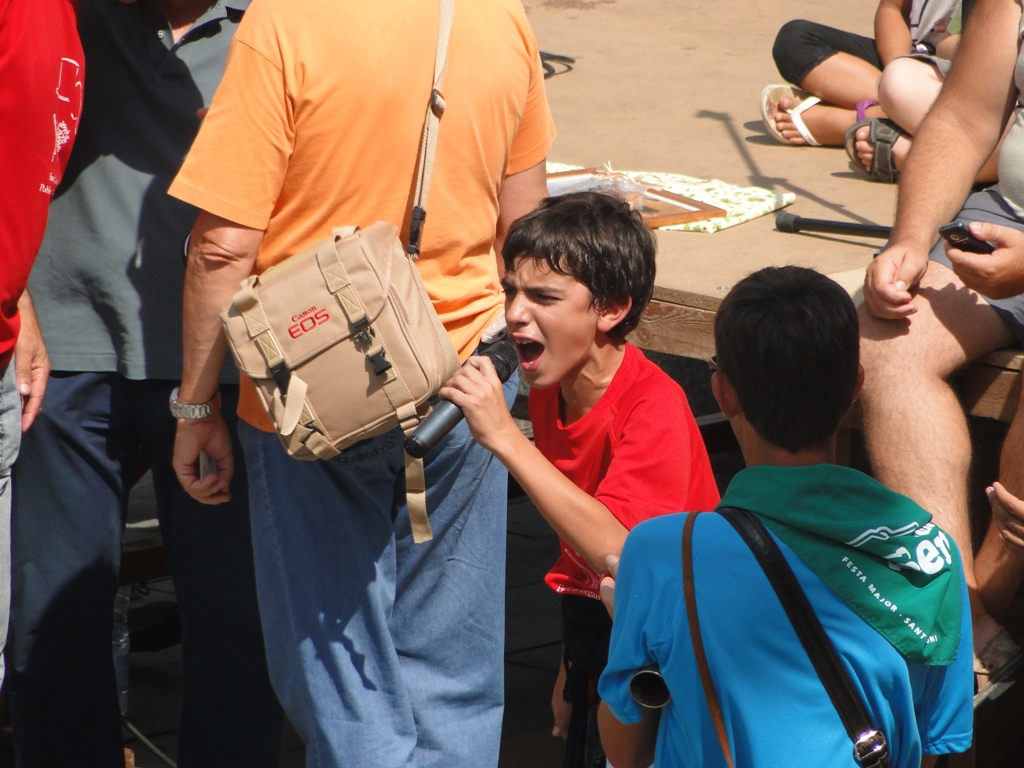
[437, 103]
[282, 376]
[871, 750]
[419, 216]
[363, 332]
[381, 364]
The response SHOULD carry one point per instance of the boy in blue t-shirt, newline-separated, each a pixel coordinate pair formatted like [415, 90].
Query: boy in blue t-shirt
[886, 583]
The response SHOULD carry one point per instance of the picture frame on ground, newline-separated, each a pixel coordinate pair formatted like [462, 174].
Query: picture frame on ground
[658, 207]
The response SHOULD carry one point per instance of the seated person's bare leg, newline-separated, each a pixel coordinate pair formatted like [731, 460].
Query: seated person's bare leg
[999, 568]
[906, 92]
[915, 428]
[840, 81]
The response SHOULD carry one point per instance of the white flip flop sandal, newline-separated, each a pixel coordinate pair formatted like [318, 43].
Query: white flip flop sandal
[771, 95]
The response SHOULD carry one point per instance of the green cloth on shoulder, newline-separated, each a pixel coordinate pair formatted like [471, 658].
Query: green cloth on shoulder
[877, 549]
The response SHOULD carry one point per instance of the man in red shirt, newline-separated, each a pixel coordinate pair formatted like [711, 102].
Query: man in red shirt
[42, 70]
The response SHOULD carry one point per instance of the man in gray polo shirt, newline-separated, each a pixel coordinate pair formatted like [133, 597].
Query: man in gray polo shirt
[107, 286]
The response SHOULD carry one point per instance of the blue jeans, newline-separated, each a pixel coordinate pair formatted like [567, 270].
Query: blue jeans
[384, 653]
[78, 463]
[10, 439]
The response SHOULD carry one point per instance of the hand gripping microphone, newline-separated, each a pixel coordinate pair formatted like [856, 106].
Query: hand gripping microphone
[446, 414]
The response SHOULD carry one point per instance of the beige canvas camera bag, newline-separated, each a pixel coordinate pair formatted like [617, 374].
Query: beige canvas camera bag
[342, 341]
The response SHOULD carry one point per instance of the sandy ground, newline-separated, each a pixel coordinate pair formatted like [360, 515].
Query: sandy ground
[673, 86]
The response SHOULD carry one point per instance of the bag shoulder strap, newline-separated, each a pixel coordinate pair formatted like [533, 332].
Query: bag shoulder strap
[870, 748]
[428, 140]
[415, 479]
[698, 644]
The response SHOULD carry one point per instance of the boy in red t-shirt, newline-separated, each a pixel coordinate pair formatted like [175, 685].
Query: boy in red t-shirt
[616, 442]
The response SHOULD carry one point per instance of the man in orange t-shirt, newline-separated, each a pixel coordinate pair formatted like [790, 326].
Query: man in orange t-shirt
[382, 652]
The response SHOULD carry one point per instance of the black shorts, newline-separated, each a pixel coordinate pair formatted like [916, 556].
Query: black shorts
[802, 45]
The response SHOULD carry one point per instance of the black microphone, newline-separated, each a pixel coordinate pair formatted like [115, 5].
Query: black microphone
[446, 414]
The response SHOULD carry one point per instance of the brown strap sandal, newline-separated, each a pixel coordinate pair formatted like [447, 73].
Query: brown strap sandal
[882, 136]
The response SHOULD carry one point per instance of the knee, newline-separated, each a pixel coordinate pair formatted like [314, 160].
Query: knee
[793, 34]
[906, 91]
[898, 356]
[793, 50]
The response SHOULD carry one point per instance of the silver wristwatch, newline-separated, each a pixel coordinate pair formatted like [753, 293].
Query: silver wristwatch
[190, 410]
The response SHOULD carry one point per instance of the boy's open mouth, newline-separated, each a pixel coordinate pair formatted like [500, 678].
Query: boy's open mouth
[528, 351]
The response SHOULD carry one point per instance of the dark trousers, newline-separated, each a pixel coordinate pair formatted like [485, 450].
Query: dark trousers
[586, 633]
[71, 484]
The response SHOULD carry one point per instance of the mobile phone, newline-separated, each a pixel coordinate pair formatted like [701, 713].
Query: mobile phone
[207, 466]
[959, 236]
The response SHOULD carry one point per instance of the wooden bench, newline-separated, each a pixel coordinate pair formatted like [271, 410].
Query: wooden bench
[989, 387]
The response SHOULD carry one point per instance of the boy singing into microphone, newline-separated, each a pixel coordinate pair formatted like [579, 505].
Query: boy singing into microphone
[616, 442]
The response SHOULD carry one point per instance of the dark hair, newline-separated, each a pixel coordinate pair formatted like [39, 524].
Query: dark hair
[596, 239]
[787, 339]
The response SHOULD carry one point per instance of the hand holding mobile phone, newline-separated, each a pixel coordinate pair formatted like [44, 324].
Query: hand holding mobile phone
[958, 235]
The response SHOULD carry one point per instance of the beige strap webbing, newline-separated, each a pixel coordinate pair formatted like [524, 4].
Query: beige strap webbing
[293, 413]
[340, 285]
[428, 141]
[286, 413]
[247, 302]
[415, 480]
[311, 434]
[337, 280]
[416, 499]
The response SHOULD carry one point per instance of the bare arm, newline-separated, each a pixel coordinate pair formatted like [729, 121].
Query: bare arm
[221, 255]
[963, 127]
[892, 30]
[629, 746]
[958, 136]
[583, 522]
[31, 363]
[520, 193]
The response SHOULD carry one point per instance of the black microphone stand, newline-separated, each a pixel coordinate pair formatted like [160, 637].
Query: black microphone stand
[788, 222]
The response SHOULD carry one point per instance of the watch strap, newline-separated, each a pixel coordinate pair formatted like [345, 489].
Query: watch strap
[190, 410]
